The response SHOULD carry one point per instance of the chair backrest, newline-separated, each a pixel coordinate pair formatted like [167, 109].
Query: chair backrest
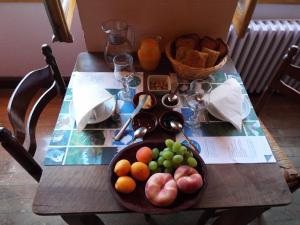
[277, 83]
[45, 83]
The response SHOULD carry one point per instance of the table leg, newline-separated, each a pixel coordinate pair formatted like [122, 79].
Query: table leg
[82, 220]
[206, 215]
[239, 216]
[149, 219]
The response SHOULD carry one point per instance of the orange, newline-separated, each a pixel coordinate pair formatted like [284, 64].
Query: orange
[125, 184]
[144, 154]
[140, 171]
[122, 167]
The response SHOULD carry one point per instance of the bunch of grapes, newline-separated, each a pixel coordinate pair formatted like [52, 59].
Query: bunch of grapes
[171, 157]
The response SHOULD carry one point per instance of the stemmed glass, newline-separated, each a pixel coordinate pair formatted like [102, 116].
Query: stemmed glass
[124, 71]
[197, 102]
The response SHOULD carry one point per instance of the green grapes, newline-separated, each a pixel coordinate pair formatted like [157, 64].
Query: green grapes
[167, 163]
[176, 146]
[167, 155]
[171, 157]
[152, 165]
[192, 162]
[155, 153]
[169, 143]
[177, 160]
[160, 160]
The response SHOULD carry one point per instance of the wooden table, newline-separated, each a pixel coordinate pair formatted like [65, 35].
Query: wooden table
[72, 191]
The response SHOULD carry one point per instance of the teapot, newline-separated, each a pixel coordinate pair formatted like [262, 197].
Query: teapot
[118, 39]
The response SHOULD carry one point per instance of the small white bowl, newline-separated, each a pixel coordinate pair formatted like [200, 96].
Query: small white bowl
[159, 79]
[163, 100]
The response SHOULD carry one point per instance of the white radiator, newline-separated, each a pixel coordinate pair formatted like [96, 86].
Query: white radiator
[258, 54]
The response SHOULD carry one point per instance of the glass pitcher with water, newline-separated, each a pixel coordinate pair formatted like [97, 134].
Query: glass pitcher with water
[119, 39]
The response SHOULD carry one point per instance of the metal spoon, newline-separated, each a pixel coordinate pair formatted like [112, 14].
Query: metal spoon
[139, 133]
[172, 97]
[178, 126]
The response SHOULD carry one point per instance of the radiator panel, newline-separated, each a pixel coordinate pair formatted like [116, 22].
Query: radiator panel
[259, 53]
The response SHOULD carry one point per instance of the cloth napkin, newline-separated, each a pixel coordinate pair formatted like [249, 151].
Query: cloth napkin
[89, 96]
[226, 101]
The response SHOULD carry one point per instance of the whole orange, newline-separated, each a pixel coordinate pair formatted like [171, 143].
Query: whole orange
[122, 167]
[125, 184]
[144, 154]
[140, 171]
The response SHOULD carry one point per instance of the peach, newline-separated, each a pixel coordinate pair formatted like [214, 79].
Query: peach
[161, 189]
[144, 154]
[188, 179]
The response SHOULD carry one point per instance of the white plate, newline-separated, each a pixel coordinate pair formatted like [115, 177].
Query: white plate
[99, 114]
[245, 111]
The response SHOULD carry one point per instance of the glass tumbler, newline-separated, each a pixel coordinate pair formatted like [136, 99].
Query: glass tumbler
[124, 71]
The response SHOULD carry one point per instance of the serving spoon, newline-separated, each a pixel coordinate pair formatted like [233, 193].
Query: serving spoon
[178, 126]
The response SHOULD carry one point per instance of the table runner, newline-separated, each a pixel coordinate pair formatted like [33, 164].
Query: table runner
[95, 145]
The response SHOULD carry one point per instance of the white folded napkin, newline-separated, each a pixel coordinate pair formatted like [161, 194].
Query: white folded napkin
[225, 101]
[90, 101]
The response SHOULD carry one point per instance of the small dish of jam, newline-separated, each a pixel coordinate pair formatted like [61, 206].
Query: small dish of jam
[145, 119]
[166, 118]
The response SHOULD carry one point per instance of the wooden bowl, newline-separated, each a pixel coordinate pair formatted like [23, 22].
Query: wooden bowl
[136, 99]
[188, 72]
[145, 119]
[167, 115]
[137, 200]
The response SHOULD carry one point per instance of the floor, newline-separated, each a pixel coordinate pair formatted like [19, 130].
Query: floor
[17, 188]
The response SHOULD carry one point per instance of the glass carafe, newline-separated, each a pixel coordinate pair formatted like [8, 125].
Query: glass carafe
[117, 41]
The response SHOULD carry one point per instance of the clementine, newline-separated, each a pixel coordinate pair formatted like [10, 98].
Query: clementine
[140, 171]
[122, 167]
[125, 184]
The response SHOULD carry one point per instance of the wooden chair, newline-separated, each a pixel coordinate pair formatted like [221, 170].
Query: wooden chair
[277, 83]
[48, 77]
[21, 144]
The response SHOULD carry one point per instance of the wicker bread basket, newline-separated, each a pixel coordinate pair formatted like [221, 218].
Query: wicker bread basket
[191, 73]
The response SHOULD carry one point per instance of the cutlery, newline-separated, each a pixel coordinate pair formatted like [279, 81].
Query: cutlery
[173, 97]
[137, 109]
[178, 126]
[139, 133]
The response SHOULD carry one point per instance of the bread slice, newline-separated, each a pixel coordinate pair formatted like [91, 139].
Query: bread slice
[195, 58]
[181, 53]
[207, 42]
[222, 48]
[212, 56]
[190, 41]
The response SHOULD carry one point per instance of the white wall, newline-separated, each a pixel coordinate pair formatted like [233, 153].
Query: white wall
[24, 27]
[167, 18]
[277, 11]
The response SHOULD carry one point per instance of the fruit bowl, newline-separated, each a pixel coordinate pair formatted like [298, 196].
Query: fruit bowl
[137, 200]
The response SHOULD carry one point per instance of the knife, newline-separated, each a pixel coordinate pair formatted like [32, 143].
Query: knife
[136, 111]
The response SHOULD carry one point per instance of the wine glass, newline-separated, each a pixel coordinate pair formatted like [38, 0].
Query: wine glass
[197, 102]
[124, 71]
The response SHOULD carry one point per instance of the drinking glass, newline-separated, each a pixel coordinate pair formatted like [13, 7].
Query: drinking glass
[197, 102]
[124, 71]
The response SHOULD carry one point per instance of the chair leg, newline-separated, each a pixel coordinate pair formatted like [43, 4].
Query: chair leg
[82, 220]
